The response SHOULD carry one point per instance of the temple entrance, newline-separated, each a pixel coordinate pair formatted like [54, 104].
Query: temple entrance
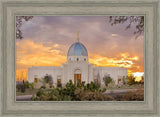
[77, 76]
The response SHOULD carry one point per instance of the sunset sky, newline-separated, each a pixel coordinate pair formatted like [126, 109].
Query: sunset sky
[47, 40]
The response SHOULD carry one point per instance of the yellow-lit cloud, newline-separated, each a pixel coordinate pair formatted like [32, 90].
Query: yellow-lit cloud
[123, 61]
[30, 54]
[113, 35]
[36, 54]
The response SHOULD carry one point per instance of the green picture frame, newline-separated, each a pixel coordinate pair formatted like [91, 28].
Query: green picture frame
[11, 108]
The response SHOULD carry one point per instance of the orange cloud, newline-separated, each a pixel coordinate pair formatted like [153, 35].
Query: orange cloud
[36, 54]
[30, 53]
[121, 60]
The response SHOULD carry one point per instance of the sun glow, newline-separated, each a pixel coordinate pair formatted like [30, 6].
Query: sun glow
[40, 55]
[138, 76]
[47, 39]
[122, 60]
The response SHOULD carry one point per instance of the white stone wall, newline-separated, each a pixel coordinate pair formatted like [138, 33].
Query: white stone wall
[114, 72]
[66, 72]
[41, 71]
[90, 73]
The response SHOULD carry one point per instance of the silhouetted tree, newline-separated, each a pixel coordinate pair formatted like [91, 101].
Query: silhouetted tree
[48, 78]
[131, 80]
[19, 20]
[98, 80]
[138, 20]
[107, 79]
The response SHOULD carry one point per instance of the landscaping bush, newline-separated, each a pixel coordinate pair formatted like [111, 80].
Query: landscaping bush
[59, 85]
[39, 93]
[124, 80]
[23, 88]
[82, 92]
[131, 80]
[131, 96]
[18, 86]
[50, 86]
[72, 92]
[107, 80]
[43, 87]
[33, 98]
[92, 96]
[26, 84]
[32, 85]
[48, 79]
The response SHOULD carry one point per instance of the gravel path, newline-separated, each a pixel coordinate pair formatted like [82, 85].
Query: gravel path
[119, 91]
[23, 98]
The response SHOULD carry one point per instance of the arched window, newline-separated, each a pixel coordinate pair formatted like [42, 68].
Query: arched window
[84, 59]
[77, 59]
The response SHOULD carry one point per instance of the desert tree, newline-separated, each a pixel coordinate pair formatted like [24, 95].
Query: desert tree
[48, 79]
[19, 23]
[107, 79]
[98, 80]
[138, 21]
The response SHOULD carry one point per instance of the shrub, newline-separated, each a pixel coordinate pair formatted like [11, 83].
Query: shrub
[92, 87]
[59, 85]
[78, 83]
[131, 80]
[73, 92]
[67, 98]
[109, 98]
[40, 79]
[104, 90]
[50, 84]
[48, 79]
[124, 80]
[32, 85]
[33, 98]
[92, 96]
[26, 84]
[18, 86]
[134, 96]
[39, 93]
[23, 88]
[107, 80]
[130, 96]
[82, 92]
[43, 87]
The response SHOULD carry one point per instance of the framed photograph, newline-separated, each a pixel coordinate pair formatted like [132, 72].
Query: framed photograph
[79, 58]
[101, 64]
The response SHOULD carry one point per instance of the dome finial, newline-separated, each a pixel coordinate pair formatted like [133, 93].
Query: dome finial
[78, 35]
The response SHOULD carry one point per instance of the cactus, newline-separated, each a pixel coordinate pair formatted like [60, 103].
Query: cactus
[73, 92]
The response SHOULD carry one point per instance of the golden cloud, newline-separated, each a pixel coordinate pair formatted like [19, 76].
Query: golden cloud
[121, 60]
[36, 54]
[30, 54]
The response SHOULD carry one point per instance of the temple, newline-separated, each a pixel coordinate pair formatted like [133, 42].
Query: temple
[76, 67]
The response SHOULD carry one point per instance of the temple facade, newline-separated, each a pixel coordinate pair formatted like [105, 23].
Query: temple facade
[77, 67]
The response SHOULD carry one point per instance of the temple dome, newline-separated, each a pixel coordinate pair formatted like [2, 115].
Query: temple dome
[77, 49]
